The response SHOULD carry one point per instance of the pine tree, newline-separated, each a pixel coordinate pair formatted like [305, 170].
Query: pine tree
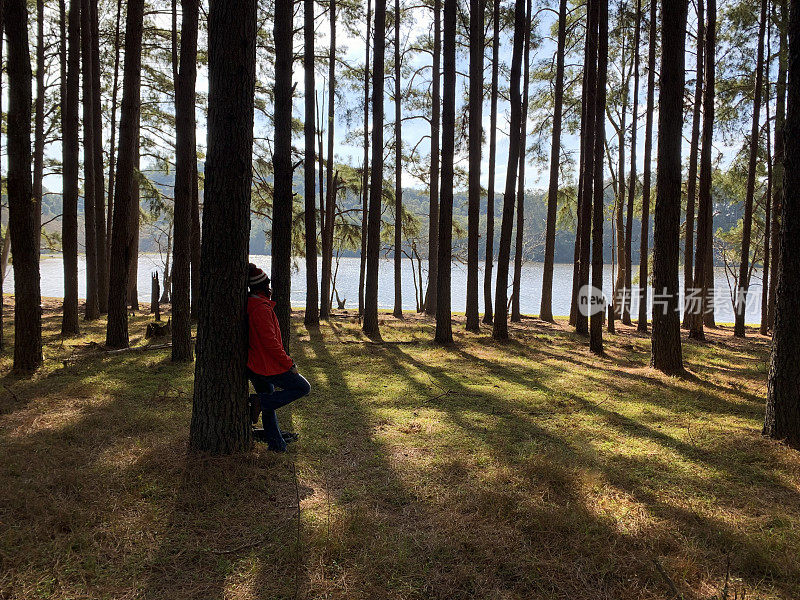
[782, 421]
[500, 326]
[370, 321]
[476, 11]
[488, 313]
[22, 212]
[740, 303]
[220, 423]
[185, 164]
[666, 338]
[124, 232]
[311, 318]
[444, 324]
[69, 169]
[546, 309]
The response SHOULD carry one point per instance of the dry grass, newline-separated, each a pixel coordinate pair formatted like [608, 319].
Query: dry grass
[529, 469]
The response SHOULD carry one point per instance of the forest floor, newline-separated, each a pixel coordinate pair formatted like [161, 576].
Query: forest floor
[526, 469]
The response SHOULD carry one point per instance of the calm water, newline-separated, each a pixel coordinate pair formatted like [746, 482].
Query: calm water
[347, 284]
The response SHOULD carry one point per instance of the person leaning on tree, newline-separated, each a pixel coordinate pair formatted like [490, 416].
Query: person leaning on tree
[268, 365]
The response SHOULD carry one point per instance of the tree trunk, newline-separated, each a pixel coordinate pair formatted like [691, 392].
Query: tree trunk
[573, 309]
[619, 213]
[780, 120]
[186, 160]
[691, 183]
[488, 312]
[311, 318]
[330, 184]
[220, 422]
[500, 326]
[370, 321]
[89, 214]
[644, 242]
[398, 172]
[516, 317]
[740, 303]
[589, 154]
[768, 272]
[596, 325]
[38, 137]
[69, 170]
[626, 301]
[433, 216]
[666, 339]
[112, 150]
[6, 240]
[444, 325]
[281, 163]
[782, 421]
[126, 192]
[99, 178]
[476, 10]
[365, 184]
[704, 214]
[22, 212]
[546, 309]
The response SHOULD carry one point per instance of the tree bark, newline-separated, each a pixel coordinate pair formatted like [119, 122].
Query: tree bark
[782, 420]
[330, 183]
[626, 305]
[590, 118]
[500, 326]
[185, 163]
[476, 34]
[220, 422]
[666, 339]
[6, 239]
[516, 317]
[69, 170]
[598, 204]
[740, 303]
[281, 164]
[112, 150]
[126, 192]
[704, 208]
[691, 182]
[444, 324]
[38, 136]
[398, 172]
[488, 312]
[370, 321]
[644, 242]
[22, 212]
[311, 318]
[780, 120]
[433, 216]
[546, 308]
[92, 310]
[365, 184]
[99, 178]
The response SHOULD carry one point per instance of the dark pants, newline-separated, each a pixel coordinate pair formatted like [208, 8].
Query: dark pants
[292, 386]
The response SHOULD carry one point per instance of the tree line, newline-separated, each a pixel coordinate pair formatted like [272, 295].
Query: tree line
[245, 172]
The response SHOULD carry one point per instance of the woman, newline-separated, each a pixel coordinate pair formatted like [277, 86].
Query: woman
[268, 365]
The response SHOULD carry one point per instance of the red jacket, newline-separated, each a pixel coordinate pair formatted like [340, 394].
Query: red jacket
[266, 355]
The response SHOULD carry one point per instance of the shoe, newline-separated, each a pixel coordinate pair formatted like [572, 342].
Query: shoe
[289, 436]
[260, 435]
[255, 408]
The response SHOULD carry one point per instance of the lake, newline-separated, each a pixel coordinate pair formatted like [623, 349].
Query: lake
[347, 283]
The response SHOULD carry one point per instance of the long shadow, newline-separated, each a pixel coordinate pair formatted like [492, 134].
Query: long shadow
[753, 561]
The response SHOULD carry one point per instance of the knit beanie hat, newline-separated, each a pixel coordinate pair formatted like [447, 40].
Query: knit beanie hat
[256, 276]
